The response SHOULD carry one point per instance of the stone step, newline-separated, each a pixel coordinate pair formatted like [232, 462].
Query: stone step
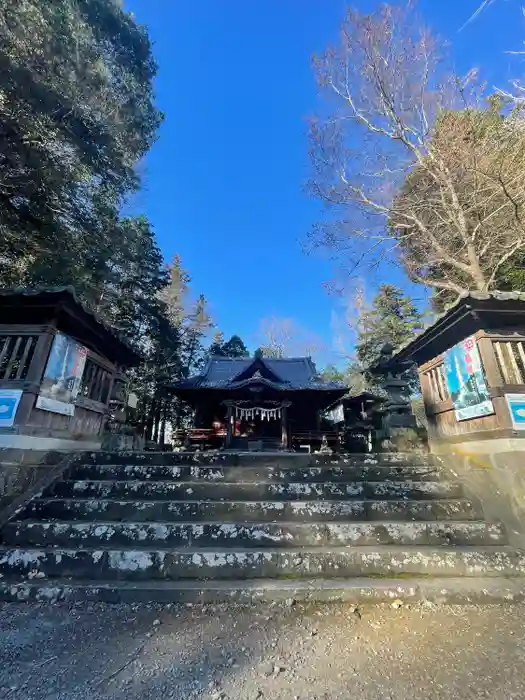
[255, 459]
[457, 591]
[229, 474]
[200, 564]
[69, 534]
[246, 511]
[198, 491]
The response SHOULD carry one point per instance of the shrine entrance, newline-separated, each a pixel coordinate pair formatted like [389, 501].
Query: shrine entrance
[256, 420]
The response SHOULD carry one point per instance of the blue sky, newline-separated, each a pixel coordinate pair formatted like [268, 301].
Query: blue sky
[223, 186]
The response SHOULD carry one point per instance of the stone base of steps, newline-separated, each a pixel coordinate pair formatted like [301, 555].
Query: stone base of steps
[95, 510]
[251, 563]
[457, 591]
[234, 535]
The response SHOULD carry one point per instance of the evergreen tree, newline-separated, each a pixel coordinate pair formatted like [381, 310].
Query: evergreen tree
[393, 318]
[127, 295]
[357, 380]
[270, 351]
[216, 345]
[332, 374]
[76, 116]
[235, 347]
[177, 350]
[512, 275]
[190, 316]
[195, 328]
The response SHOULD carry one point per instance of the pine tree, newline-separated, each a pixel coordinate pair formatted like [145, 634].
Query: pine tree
[235, 347]
[216, 344]
[393, 318]
[172, 347]
[195, 327]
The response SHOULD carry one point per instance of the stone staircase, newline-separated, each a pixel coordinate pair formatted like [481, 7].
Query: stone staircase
[242, 527]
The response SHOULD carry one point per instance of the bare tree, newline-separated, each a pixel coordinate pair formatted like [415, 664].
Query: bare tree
[284, 337]
[347, 321]
[483, 6]
[516, 92]
[348, 324]
[406, 176]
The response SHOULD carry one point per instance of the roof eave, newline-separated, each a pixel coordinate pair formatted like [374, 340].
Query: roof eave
[470, 303]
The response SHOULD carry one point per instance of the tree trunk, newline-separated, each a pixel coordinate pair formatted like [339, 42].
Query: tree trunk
[162, 435]
[150, 420]
[477, 272]
[156, 420]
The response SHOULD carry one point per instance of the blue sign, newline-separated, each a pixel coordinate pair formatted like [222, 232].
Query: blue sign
[516, 404]
[466, 381]
[9, 400]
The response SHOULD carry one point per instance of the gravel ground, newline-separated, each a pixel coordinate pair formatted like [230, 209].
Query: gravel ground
[145, 652]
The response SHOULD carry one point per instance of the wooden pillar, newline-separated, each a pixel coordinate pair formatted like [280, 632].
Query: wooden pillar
[34, 375]
[229, 425]
[424, 383]
[490, 365]
[40, 355]
[284, 426]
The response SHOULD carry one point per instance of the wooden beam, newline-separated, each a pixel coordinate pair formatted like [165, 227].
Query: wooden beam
[23, 359]
[14, 353]
[229, 425]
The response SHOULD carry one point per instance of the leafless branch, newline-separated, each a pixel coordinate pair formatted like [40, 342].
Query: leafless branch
[410, 159]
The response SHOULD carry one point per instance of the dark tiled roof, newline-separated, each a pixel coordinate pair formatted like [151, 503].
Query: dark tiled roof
[66, 293]
[293, 373]
[467, 300]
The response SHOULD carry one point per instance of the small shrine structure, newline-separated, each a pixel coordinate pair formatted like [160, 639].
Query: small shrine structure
[471, 365]
[60, 368]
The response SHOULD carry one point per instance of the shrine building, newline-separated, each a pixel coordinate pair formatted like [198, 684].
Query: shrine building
[259, 403]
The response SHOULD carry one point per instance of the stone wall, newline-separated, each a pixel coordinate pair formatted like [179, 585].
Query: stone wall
[492, 471]
[22, 469]
[122, 442]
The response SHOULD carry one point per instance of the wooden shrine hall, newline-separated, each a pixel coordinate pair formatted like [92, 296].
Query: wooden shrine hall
[259, 403]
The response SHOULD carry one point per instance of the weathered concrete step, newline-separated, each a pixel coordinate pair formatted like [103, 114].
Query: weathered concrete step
[255, 511]
[229, 474]
[201, 491]
[254, 459]
[68, 534]
[358, 590]
[330, 562]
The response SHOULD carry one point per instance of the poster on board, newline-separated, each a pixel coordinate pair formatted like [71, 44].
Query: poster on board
[466, 381]
[9, 400]
[62, 376]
